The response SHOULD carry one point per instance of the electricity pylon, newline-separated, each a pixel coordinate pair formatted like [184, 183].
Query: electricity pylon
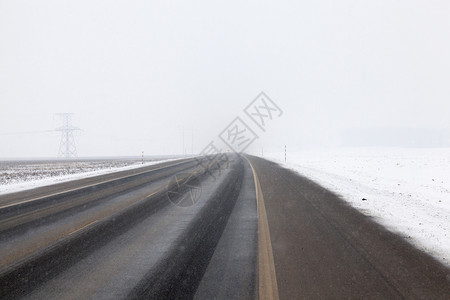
[67, 148]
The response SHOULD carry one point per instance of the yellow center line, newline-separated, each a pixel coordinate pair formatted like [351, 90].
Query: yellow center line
[267, 281]
[151, 194]
[42, 243]
[86, 186]
[96, 279]
[82, 227]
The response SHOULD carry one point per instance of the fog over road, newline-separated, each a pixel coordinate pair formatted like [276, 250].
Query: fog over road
[241, 228]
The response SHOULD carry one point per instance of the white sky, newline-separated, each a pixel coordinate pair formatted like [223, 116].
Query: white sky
[139, 73]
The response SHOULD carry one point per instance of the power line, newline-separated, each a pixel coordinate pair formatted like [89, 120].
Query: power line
[26, 132]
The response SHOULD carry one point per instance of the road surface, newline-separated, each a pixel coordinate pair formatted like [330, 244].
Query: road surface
[232, 227]
[322, 248]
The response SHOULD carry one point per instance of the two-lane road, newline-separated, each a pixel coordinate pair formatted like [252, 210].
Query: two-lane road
[125, 236]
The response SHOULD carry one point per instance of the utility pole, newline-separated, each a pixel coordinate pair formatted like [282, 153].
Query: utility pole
[284, 153]
[184, 152]
[185, 138]
[67, 148]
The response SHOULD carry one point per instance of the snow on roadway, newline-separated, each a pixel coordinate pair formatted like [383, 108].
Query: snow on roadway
[406, 190]
[19, 176]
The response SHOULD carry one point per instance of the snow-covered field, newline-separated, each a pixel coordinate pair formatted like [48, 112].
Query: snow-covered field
[21, 175]
[407, 190]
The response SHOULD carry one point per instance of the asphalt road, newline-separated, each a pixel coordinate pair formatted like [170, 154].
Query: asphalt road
[125, 236]
[324, 249]
[230, 228]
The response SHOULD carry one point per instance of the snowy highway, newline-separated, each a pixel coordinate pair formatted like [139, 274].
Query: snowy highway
[121, 236]
[240, 228]
[324, 248]
[225, 149]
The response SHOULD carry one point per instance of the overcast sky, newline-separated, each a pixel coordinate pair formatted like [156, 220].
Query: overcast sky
[139, 74]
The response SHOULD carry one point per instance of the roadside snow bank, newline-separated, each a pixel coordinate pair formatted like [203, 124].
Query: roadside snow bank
[407, 190]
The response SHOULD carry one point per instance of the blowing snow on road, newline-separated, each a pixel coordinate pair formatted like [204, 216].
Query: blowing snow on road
[384, 183]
